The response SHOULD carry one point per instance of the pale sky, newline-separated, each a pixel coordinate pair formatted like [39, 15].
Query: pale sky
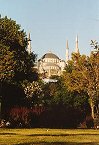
[52, 22]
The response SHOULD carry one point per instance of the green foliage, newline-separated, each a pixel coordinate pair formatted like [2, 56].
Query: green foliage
[15, 58]
[16, 65]
[58, 94]
[84, 76]
[11, 35]
[11, 95]
[68, 108]
[7, 64]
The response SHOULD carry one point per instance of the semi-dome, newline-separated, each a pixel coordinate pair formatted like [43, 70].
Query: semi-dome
[50, 55]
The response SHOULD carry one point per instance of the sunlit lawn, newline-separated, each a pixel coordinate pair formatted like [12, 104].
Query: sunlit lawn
[49, 137]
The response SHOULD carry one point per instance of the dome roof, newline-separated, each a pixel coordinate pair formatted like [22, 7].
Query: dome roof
[50, 55]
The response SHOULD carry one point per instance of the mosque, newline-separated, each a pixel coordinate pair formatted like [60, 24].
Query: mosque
[50, 64]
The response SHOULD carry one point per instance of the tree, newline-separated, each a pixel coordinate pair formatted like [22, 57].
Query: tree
[64, 108]
[84, 76]
[33, 93]
[15, 60]
[7, 64]
[95, 45]
[16, 64]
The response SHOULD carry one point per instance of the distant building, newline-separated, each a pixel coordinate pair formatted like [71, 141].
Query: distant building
[50, 64]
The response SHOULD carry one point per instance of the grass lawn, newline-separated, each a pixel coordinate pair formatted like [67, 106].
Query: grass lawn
[49, 137]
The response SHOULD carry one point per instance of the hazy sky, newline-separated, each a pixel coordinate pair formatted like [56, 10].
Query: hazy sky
[52, 22]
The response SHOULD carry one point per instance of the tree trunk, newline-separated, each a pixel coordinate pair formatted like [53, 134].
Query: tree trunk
[92, 109]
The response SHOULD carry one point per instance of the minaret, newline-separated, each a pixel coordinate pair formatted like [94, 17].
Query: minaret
[77, 49]
[67, 52]
[29, 44]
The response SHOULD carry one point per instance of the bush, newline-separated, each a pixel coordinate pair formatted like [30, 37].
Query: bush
[25, 117]
[20, 117]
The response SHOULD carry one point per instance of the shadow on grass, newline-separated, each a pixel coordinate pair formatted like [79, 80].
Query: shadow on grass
[49, 134]
[61, 143]
[8, 133]
[61, 134]
[53, 135]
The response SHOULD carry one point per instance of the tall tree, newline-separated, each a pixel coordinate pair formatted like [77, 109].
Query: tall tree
[83, 76]
[13, 45]
[16, 64]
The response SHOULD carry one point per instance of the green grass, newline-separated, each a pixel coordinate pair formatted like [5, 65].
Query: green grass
[49, 137]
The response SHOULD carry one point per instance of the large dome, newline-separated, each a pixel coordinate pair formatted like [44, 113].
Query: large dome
[50, 55]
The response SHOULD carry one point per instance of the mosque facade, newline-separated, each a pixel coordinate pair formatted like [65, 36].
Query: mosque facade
[50, 64]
